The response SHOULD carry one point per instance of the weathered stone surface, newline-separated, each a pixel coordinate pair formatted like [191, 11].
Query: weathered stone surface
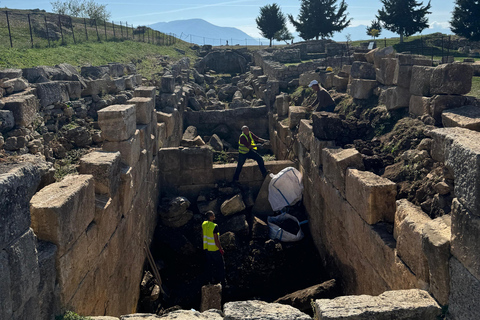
[396, 98]
[409, 223]
[340, 83]
[177, 315]
[143, 109]
[6, 310]
[386, 71]
[177, 213]
[48, 295]
[451, 78]
[236, 223]
[95, 87]
[259, 229]
[402, 76]
[7, 121]
[105, 168]
[419, 105]
[464, 117]
[306, 77]
[262, 205]
[316, 148]
[17, 84]
[305, 133]
[326, 125]
[436, 245]
[211, 297]
[10, 73]
[464, 293]
[145, 92]
[216, 143]
[24, 109]
[233, 205]
[400, 304]
[465, 239]
[420, 80]
[379, 54]
[129, 149]
[52, 92]
[118, 122]
[362, 70]
[362, 88]
[62, 211]
[439, 103]
[281, 102]
[302, 299]
[372, 196]
[190, 133]
[295, 114]
[335, 164]
[253, 309]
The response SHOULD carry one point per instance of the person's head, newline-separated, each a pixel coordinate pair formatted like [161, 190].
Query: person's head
[314, 85]
[245, 129]
[210, 215]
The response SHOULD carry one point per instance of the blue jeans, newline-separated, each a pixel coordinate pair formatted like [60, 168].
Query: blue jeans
[242, 157]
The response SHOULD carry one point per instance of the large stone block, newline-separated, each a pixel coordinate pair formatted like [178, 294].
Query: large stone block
[211, 297]
[145, 92]
[295, 114]
[118, 122]
[254, 309]
[419, 105]
[305, 133]
[372, 196]
[62, 211]
[439, 103]
[6, 310]
[316, 147]
[379, 54]
[105, 168]
[24, 109]
[281, 103]
[52, 92]
[402, 76]
[386, 71]
[233, 205]
[17, 84]
[396, 98]
[48, 295]
[399, 305]
[464, 117]
[420, 80]
[409, 223]
[436, 245]
[451, 78]
[464, 293]
[362, 70]
[306, 77]
[340, 83]
[466, 237]
[95, 87]
[326, 125]
[143, 109]
[335, 164]
[167, 84]
[362, 88]
[10, 73]
[129, 149]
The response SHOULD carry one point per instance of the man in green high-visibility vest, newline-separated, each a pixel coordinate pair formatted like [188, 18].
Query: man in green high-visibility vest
[246, 150]
[213, 250]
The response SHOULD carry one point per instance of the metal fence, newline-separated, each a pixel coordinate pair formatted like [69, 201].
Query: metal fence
[40, 30]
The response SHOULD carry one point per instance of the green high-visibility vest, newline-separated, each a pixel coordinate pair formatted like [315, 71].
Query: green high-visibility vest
[208, 238]
[241, 147]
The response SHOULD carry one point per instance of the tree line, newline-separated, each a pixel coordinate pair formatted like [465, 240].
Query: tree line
[322, 18]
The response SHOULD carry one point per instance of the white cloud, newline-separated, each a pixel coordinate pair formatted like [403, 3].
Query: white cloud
[440, 25]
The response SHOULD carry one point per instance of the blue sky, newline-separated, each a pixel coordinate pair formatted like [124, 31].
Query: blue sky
[240, 14]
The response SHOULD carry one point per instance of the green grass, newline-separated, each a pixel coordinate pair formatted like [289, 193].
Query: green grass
[475, 88]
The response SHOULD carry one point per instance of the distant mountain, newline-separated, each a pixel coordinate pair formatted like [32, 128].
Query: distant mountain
[202, 32]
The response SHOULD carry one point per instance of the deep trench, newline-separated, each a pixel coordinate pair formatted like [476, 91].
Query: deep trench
[260, 269]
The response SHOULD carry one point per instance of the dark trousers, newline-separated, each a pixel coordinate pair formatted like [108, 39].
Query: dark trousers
[242, 157]
[215, 267]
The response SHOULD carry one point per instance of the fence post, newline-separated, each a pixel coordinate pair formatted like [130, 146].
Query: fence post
[46, 28]
[133, 32]
[73, 33]
[30, 27]
[126, 27]
[121, 28]
[60, 26]
[105, 27]
[421, 42]
[448, 48]
[85, 24]
[96, 29]
[442, 48]
[113, 25]
[9, 33]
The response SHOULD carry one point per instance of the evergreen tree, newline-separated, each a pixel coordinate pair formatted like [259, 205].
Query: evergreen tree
[465, 19]
[270, 21]
[405, 17]
[320, 18]
[375, 29]
[283, 35]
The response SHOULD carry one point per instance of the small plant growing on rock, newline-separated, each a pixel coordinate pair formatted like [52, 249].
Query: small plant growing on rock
[70, 315]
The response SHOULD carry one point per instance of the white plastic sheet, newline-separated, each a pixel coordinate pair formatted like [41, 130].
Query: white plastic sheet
[285, 189]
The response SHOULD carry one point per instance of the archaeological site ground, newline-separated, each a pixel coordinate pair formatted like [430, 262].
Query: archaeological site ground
[105, 175]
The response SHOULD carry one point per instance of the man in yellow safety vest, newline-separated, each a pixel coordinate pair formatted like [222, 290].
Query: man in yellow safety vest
[213, 250]
[246, 150]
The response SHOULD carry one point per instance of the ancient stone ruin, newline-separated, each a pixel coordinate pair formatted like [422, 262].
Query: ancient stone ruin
[101, 168]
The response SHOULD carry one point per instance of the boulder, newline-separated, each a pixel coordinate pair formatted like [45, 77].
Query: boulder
[211, 297]
[17, 84]
[233, 205]
[216, 143]
[10, 73]
[236, 223]
[253, 310]
[176, 214]
[190, 133]
[259, 229]
[262, 205]
[7, 121]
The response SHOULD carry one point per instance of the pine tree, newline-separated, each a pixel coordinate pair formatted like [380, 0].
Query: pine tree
[465, 19]
[320, 18]
[405, 17]
[270, 21]
[375, 29]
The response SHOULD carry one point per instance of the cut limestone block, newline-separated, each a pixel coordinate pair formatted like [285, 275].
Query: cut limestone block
[145, 92]
[295, 114]
[233, 205]
[335, 164]
[305, 133]
[419, 105]
[316, 147]
[326, 125]
[143, 109]
[451, 78]
[420, 80]
[464, 293]
[464, 117]
[409, 223]
[211, 297]
[254, 309]
[396, 98]
[340, 83]
[402, 76]
[24, 108]
[379, 54]
[129, 149]
[62, 211]
[105, 168]
[436, 245]
[262, 205]
[308, 76]
[362, 89]
[118, 122]
[372, 196]
[281, 102]
[439, 103]
[466, 238]
[386, 71]
[362, 70]
[167, 84]
[399, 305]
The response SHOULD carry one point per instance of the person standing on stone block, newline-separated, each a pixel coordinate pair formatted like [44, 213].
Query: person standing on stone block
[324, 100]
[246, 150]
[215, 269]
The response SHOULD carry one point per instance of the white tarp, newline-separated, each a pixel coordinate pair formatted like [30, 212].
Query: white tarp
[285, 189]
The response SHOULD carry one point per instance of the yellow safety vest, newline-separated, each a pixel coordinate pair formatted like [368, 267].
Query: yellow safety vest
[208, 239]
[242, 148]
